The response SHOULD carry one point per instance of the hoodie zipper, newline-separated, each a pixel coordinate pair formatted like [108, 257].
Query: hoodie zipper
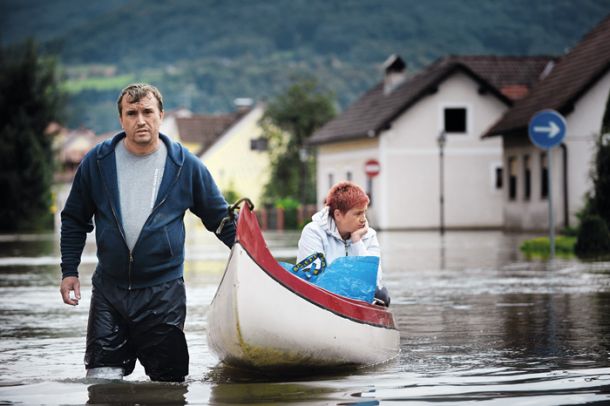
[116, 218]
[345, 243]
[130, 267]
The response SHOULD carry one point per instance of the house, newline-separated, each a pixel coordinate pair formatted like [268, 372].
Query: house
[169, 124]
[578, 87]
[70, 147]
[400, 122]
[198, 132]
[238, 158]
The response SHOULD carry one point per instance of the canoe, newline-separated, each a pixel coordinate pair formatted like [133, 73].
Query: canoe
[262, 316]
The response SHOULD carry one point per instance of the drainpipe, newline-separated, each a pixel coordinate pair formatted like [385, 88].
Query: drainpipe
[566, 213]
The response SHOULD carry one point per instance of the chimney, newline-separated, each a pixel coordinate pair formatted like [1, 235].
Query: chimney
[395, 73]
[243, 104]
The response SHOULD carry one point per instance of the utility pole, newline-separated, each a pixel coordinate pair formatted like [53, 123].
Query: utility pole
[442, 140]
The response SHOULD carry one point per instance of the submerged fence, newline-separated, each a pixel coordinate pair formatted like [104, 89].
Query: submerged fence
[278, 218]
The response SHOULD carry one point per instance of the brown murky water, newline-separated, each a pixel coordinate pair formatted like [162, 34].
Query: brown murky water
[479, 325]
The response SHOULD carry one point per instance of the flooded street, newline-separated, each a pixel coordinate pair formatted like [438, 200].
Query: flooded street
[479, 324]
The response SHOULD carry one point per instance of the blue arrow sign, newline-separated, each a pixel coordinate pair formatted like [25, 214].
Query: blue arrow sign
[547, 129]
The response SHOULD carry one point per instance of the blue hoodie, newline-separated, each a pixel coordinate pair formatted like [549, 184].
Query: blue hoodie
[158, 255]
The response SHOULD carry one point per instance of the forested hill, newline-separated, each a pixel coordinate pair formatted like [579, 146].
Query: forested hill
[203, 54]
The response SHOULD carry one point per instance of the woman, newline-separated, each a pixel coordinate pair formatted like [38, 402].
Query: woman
[341, 229]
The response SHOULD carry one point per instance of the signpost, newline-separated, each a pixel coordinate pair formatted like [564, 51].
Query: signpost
[547, 129]
[371, 169]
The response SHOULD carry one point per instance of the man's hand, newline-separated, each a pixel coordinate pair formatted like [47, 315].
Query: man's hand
[358, 234]
[69, 284]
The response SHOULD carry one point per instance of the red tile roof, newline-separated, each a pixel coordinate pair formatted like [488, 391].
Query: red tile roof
[206, 129]
[573, 75]
[375, 110]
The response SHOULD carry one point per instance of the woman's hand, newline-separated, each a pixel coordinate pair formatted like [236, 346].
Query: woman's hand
[358, 234]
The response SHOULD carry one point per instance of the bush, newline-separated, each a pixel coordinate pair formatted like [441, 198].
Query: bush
[290, 207]
[230, 195]
[541, 246]
[593, 239]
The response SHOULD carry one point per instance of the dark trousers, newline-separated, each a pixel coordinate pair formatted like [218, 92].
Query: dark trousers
[145, 324]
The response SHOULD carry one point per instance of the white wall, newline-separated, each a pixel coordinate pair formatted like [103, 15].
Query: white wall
[583, 125]
[532, 214]
[410, 153]
[406, 192]
[337, 160]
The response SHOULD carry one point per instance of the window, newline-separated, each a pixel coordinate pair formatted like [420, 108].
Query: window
[527, 178]
[455, 120]
[348, 175]
[331, 180]
[544, 178]
[499, 177]
[259, 144]
[512, 178]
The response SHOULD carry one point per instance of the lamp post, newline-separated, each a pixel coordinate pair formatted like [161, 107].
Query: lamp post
[442, 140]
[303, 157]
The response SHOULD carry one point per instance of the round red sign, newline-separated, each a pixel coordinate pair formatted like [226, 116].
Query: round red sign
[371, 168]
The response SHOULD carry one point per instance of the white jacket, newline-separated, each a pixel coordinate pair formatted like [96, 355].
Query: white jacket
[322, 235]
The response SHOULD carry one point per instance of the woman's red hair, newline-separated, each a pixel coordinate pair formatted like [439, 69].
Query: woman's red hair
[345, 196]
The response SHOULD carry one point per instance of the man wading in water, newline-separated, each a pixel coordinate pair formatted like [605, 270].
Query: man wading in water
[136, 187]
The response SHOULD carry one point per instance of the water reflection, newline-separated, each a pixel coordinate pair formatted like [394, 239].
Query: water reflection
[137, 393]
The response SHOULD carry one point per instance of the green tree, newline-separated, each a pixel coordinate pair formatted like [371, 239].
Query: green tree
[601, 178]
[593, 238]
[29, 100]
[598, 200]
[289, 120]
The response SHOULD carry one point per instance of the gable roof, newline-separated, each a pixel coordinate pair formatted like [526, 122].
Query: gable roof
[573, 75]
[206, 129]
[374, 111]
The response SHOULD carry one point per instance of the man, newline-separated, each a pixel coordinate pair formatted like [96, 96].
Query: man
[137, 187]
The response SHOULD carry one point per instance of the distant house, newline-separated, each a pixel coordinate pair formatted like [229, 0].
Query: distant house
[578, 87]
[238, 158]
[70, 147]
[398, 122]
[169, 125]
[198, 132]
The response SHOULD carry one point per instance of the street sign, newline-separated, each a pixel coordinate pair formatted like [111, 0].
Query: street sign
[372, 168]
[547, 129]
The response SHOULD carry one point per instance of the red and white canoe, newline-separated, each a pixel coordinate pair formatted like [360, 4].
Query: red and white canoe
[264, 317]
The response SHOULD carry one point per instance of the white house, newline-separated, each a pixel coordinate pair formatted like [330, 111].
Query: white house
[578, 87]
[399, 122]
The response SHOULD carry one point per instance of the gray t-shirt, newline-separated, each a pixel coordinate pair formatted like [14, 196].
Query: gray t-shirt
[139, 178]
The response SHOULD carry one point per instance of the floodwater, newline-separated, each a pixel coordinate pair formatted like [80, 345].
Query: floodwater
[479, 325]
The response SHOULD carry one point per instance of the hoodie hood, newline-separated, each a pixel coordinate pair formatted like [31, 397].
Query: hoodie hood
[326, 223]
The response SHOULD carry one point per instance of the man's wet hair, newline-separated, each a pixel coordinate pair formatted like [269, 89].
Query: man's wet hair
[137, 91]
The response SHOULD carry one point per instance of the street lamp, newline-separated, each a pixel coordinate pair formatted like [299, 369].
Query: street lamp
[303, 157]
[442, 140]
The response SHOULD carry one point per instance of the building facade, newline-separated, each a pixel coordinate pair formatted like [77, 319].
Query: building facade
[578, 87]
[400, 122]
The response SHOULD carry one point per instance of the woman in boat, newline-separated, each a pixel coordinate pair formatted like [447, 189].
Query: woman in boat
[341, 229]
